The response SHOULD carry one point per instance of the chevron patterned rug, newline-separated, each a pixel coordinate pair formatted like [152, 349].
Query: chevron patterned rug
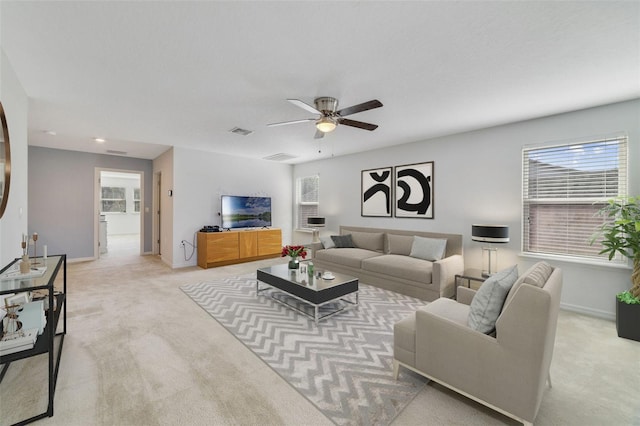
[343, 365]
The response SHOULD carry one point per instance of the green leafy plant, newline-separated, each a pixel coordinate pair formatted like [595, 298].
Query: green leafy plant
[621, 234]
[628, 298]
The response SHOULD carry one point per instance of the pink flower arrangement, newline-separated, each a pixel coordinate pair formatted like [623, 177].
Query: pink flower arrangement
[294, 251]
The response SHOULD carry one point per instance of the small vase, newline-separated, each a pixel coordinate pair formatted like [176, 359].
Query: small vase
[25, 266]
[293, 263]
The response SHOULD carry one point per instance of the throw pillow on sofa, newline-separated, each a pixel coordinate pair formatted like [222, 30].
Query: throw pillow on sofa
[487, 303]
[343, 241]
[428, 248]
[327, 242]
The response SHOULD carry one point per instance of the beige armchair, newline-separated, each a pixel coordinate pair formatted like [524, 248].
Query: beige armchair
[507, 372]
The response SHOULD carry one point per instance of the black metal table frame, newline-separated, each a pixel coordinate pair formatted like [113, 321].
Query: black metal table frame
[53, 315]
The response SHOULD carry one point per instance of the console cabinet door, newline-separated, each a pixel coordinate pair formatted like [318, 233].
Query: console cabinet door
[269, 242]
[248, 244]
[222, 246]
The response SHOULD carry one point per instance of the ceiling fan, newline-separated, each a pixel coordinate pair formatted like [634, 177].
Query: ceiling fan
[330, 116]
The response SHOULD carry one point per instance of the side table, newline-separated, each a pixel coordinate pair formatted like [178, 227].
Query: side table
[469, 275]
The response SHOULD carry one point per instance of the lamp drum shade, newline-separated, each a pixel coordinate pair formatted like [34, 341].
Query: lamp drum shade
[315, 221]
[490, 233]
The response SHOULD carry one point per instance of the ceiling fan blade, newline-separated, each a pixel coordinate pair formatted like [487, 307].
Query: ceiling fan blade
[299, 103]
[360, 107]
[284, 123]
[358, 124]
[319, 135]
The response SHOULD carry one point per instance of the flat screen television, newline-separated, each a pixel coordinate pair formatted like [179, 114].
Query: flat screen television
[245, 212]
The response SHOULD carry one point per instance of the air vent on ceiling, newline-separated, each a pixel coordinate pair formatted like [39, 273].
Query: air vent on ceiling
[241, 132]
[112, 151]
[280, 157]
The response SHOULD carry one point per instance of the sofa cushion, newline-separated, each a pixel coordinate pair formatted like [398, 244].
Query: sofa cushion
[327, 242]
[351, 257]
[489, 299]
[428, 248]
[400, 244]
[368, 240]
[343, 241]
[404, 267]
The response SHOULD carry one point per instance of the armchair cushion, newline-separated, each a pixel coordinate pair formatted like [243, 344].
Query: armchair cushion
[489, 299]
[539, 275]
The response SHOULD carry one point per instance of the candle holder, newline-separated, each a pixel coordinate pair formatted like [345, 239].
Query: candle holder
[24, 263]
[35, 251]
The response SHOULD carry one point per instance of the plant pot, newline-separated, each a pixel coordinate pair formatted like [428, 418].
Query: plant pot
[628, 320]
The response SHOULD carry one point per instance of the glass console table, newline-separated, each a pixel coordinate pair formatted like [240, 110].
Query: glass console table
[12, 282]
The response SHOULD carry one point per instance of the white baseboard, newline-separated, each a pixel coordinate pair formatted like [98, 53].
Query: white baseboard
[588, 311]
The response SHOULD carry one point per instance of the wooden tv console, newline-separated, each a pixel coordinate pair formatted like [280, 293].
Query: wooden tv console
[229, 247]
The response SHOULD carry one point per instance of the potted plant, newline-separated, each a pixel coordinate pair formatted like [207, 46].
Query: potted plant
[621, 234]
[293, 252]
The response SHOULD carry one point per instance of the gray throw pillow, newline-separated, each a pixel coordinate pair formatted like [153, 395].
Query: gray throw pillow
[428, 248]
[343, 241]
[327, 242]
[487, 303]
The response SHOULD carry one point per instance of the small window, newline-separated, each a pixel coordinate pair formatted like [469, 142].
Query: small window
[564, 186]
[307, 199]
[113, 199]
[136, 200]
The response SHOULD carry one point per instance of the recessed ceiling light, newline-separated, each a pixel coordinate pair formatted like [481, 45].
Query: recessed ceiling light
[99, 140]
[50, 132]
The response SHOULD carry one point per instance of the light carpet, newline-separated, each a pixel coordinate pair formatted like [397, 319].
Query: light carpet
[343, 365]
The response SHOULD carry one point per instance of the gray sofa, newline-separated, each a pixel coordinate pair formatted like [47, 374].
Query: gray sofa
[381, 257]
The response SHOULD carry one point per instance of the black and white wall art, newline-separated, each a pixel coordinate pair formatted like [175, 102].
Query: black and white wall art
[377, 186]
[414, 190]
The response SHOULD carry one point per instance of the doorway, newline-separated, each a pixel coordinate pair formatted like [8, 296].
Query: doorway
[119, 199]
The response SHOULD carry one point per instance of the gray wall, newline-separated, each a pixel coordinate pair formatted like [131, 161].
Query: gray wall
[478, 179]
[61, 198]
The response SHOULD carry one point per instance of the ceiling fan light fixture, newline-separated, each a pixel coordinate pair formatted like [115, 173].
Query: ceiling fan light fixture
[326, 124]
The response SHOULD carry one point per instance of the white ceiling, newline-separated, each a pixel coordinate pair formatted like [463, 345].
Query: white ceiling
[149, 75]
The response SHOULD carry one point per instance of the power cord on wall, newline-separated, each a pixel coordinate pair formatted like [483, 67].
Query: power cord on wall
[184, 243]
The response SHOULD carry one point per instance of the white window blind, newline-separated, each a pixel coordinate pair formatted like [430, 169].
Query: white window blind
[564, 186]
[307, 199]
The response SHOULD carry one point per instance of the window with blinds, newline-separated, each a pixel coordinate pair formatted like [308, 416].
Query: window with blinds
[563, 187]
[113, 199]
[307, 199]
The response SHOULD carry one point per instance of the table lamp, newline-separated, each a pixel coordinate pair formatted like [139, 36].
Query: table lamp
[315, 223]
[493, 234]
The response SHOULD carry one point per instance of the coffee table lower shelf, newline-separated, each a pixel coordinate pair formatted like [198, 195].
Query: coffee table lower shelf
[317, 317]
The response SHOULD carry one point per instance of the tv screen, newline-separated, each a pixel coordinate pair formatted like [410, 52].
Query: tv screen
[245, 212]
